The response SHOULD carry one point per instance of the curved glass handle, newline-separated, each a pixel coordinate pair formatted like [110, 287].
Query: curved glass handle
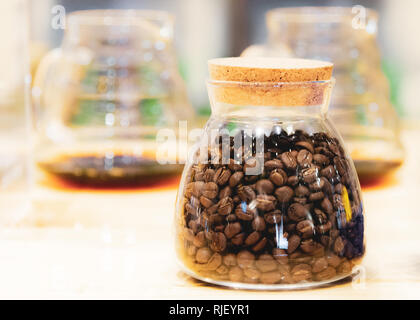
[263, 50]
[46, 67]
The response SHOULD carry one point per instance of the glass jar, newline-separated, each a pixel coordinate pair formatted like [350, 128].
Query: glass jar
[269, 197]
[360, 106]
[103, 96]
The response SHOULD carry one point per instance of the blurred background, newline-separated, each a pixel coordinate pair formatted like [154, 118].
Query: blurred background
[207, 29]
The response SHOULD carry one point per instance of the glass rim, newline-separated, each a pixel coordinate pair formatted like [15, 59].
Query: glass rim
[271, 84]
[113, 17]
[314, 14]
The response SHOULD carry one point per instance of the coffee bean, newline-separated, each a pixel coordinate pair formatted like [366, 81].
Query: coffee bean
[197, 188]
[305, 144]
[225, 192]
[273, 217]
[258, 224]
[273, 164]
[310, 175]
[318, 185]
[225, 206]
[264, 186]
[296, 212]
[203, 255]
[236, 274]
[293, 181]
[229, 259]
[301, 272]
[208, 175]
[238, 239]
[260, 245]
[246, 193]
[222, 270]
[221, 177]
[284, 194]
[333, 260]
[281, 255]
[305, 229]
[293, 243]
[232, 229]
[252, 238]
[344, 268]
[319, 265]
[252, 274]
[308, 246]
[339, 246]
[266, 263]
[266, 202]
[188, 234]
[289, 160]
[218, 242]
[321, 160]
[210, 190]
[206, 202]
[304, 158]
[243, 212]
[301, 201]
[245, 259]
[235, 178]
[328, 172]
[327, 206]
[234, 165]
[271, 277]
[316, 196]
[200, 240]
[325, 274]
[214, 262]
[276, 178]
[301, 191]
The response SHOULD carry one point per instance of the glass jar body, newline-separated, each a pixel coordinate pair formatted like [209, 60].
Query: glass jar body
[269, 199]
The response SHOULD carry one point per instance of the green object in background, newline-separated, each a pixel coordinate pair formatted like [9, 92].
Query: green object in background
[151, 111]
[392, 72]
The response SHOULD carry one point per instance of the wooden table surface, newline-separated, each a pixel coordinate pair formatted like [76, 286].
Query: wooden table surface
[86, 244]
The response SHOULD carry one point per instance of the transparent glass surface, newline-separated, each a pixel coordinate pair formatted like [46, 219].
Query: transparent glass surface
[269, 198]
[104, 94]
[360, 107]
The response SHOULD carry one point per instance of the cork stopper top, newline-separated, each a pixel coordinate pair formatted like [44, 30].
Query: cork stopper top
[257, 69]
[270, 81]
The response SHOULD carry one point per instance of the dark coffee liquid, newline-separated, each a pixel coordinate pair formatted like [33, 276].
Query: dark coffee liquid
[116, 172]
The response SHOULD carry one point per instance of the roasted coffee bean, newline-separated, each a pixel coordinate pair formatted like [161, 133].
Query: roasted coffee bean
[293, 181]
[304, 158]
[193, 225]
[305, 229]
[297, 212]
[260, 245]
[221, 177]
[258, 224]
[305, 144]
[213, 209]
[325, 274]
[229, 259]
[328, 172]
[321, 160]
[284, 194]
[273, 164]
[316, 196]
[301, 201]
[319, 265]
[188, 234]
[218, 242]
[210, 190]
[232, 229]
[208, 175]
[301, 272]
[203, 255]
[243, 212]
[252, 238]
[273, 217]
[197, 188]
[339, 246]
[277, 178]
[246, 193]
[235, 178]
[327, 206]
[316, 186]
[288, 160]
[301, 191]
[324, 228]
[337, 202]
[206, 202]
[252, 274]
[333, 260]
[245, 259]
[225, 206]
[192, 250]
[344, 268]
[199, 240]
[225, 192]
[231, 218]
[266, 263]
[214, 262]
[234, 165]
[281, 256]
[266, 202]
[238, 239]
[236, 274]
[338, 188]
[308, 246]
[264, 186]
[310, 175]
[222, 270]
[293, 243]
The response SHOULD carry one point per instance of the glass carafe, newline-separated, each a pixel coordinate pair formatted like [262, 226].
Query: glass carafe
[269, 198]
[103, 96]
[360, 106]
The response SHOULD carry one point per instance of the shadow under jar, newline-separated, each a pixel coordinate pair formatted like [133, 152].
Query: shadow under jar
[269, 198]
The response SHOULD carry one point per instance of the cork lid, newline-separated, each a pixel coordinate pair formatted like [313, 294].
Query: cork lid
[270, 81]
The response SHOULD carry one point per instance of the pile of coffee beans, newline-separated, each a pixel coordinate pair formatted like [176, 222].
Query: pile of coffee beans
[301, 219]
